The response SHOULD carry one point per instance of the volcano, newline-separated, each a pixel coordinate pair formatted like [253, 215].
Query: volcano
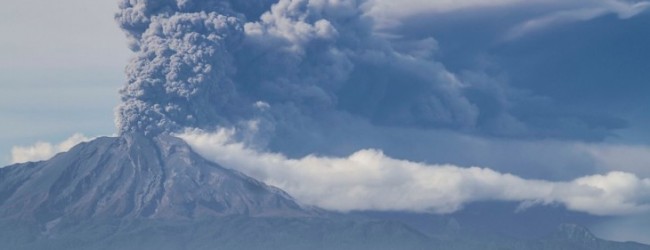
[135, 177]
[141, 192]
[138, 192]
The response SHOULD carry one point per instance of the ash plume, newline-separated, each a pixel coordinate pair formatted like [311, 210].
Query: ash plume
[297, 65]
[204, 64]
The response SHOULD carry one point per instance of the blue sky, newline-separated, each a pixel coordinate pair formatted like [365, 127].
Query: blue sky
[59, 71]
[541, 89]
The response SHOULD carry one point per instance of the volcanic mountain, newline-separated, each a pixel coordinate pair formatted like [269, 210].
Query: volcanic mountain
[139, 192]
[135, 177]
[142, 192]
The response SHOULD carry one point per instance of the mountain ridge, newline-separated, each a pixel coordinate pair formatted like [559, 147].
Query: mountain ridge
[140, 192]
[134, 176]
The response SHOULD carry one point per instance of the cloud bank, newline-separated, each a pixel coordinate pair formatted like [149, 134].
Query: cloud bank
[370, 180]
[44, 150]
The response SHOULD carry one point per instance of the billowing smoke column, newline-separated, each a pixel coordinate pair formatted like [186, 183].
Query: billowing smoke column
[290, 64]
[181, 75]
[208, 63]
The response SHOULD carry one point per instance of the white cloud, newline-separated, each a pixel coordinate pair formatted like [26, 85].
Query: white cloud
[555, 18]
[390, 12]
[44, 150]
[370, 180]
[406, 8]
[595, 9]
[399, 9]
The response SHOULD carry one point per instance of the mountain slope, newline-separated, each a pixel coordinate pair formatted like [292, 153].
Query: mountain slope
[135, 177]
[135, 192]
[575, 237]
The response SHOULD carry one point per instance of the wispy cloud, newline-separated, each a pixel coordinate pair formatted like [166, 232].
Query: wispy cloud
[387, 9]
[623, 10]
[390, 13]
[370, 180]
[44, 150]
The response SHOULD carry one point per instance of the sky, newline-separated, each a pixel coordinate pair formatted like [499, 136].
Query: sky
[499, 95]
[58, 75]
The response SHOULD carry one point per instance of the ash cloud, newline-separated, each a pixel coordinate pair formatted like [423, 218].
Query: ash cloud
[314, 64]
[181, 73]
[202, 67]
